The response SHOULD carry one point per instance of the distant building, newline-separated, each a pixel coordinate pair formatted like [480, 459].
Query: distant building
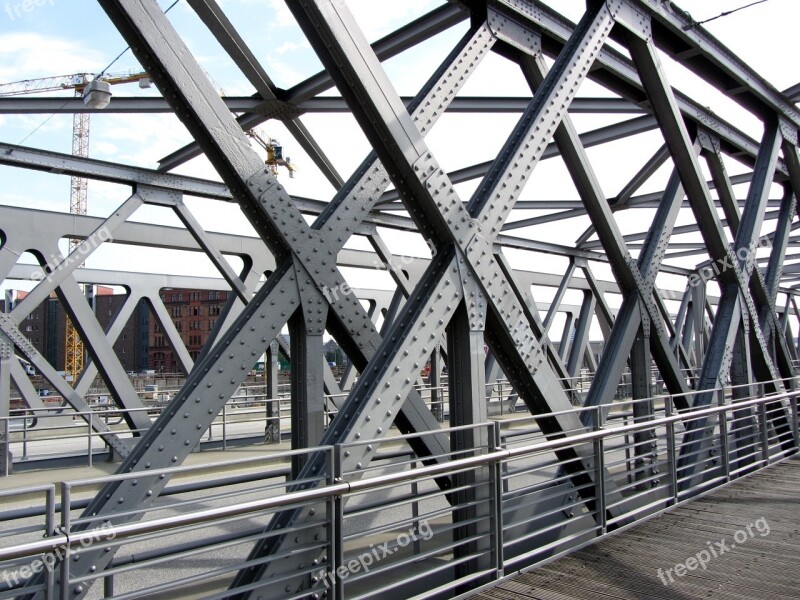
[142, 344]
[194, 313]
[45, 327]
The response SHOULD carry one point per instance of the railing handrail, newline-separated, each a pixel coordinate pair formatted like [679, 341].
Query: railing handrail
[344, 486]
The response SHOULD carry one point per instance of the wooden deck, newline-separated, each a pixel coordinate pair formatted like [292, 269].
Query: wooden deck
[762, 563]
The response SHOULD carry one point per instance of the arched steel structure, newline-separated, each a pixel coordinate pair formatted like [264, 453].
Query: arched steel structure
[468, 300]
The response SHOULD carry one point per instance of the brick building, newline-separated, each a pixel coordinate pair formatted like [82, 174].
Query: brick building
[194, 313]
[45, 327]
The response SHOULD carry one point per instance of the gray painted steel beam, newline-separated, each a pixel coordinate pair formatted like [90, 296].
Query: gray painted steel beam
[427, 26]
[615, 71]
[673, 31]
[468, 281]
[676, 136]
[280, 292]
[223, 30]
[627, 273]
[318, 105]
[334, 36]
[9, 329]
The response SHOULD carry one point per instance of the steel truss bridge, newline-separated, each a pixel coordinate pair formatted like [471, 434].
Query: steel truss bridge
[696, 299]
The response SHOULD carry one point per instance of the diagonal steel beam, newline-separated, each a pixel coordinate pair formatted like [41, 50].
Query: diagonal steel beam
[58, 273]
[759, 288]
[427, 26]
[616, 72]
[60, 278]
[214, 18]
[43, 366]
[625, 194]
[661, 96]
[464, 253]
[114, 331]
[626, 270]
[171, 332]
[735, 271]
[280, 293]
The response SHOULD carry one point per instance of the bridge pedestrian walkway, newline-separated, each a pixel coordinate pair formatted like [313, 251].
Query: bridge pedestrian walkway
[738, 542]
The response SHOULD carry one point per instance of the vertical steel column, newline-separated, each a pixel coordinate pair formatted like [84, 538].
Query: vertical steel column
[699, 318]
[559, 297]
[643, 408]
[465, 374]
[435, 381]
[581, 338]
[6, 357]
[308, 412]
[272, 428]
[566, 336]
[743, 423]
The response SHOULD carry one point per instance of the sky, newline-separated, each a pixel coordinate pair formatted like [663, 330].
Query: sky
[44, 38]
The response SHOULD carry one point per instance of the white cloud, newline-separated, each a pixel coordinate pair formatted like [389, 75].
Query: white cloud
[28, 55]
[291, 46]
[380, 18]
[282, 16]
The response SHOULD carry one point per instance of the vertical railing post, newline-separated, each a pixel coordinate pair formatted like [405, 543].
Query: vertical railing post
[793, 403]
[50, 529]
[25, 436]
[89, 443]
[5, 447]
[224, 427]
[762, 417]
[108, 586]
[723, 436]
[599, 463]
[672, 461]
[415, 507]
[497, 501]
[336, 522]
[66, 520]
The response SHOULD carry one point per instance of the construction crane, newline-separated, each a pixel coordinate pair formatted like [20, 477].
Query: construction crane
[274, 153]
[96, 93]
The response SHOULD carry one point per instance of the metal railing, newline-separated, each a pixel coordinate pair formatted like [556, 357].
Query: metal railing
[39, 434]
[516, 500]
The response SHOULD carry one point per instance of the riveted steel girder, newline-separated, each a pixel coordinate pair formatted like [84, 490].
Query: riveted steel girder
[265, 202]
[463, 235]
[467, 294]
